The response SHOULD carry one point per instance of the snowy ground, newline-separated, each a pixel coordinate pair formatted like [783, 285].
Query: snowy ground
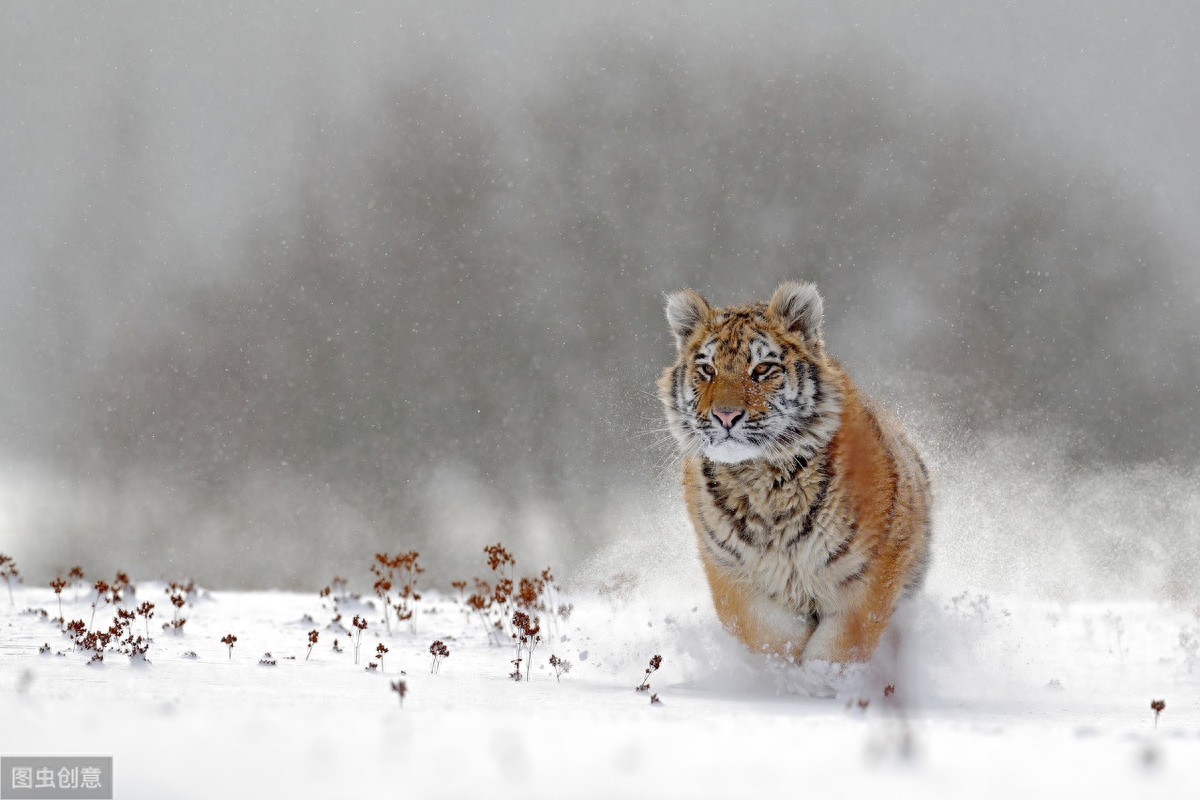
[994, 697]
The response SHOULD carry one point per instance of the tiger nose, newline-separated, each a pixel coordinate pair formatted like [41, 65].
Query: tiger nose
[728, 416]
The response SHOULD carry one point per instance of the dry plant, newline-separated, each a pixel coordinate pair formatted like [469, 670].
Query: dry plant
[8, 571]
[75, 629]
[383, 570]
[400, 688]
[1157, 707]
[95, 641]
[501, 562]
[146, 611]
[76, 579]
[481, 602]
[439, 651]
[360, 625]
[228, 640]
[529, 594]
[526, 635]
[312, 640]
[400, 570]
[406, 606]
[178, 593]
[655, 663]
[496, 603]
[380, 650]
[561, 666]
[121, 586]
[136, 648]
[331, 596]
[58, 584]
[122, 631]
[102, 588]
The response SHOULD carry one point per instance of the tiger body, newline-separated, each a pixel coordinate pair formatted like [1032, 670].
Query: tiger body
[811, 507]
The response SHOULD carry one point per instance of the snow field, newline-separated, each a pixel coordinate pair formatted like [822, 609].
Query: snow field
[994, 697]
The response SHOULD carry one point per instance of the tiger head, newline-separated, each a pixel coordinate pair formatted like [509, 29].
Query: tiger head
[751, 381]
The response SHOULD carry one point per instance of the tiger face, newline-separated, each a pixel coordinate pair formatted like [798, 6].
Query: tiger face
[751, 381]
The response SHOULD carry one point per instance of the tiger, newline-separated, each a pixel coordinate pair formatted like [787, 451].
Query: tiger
[810, 504]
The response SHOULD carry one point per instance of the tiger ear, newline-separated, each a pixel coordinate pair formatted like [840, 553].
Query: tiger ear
[800, 308]
[686, 311]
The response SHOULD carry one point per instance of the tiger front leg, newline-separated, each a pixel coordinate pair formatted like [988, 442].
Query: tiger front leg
[759, 622]
[846, 636]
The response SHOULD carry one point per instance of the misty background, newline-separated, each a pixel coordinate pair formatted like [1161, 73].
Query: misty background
[286, 287]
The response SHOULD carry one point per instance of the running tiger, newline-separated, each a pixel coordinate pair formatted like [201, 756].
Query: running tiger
[810, 505]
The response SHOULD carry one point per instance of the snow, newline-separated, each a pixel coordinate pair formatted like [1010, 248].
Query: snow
[994, 697]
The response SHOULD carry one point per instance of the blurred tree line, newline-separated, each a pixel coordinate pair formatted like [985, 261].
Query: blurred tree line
[474, 288]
